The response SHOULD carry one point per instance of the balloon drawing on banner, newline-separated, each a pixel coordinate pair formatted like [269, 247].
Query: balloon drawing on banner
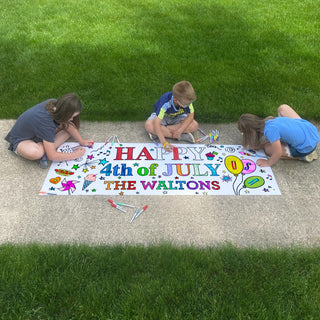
[244, 166]
[235, 166]
[253, 182]
[248, 166]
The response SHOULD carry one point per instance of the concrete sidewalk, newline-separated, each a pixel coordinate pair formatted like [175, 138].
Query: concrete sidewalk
[260, 221]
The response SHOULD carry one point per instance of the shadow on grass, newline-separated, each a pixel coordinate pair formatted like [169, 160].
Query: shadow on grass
[235, 66]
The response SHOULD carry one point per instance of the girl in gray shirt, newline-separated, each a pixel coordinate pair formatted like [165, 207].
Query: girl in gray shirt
[40, 130]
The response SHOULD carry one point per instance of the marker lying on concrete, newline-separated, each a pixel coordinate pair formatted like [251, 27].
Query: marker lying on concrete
[116, 206]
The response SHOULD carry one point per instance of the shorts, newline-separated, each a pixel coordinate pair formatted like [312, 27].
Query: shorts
[167, 121]
[293, 153]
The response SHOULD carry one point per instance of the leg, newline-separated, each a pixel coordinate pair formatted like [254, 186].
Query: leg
[149, 126]
[268, 150]
[167, 130]
[30, 150]
[286, 111]
[193, 127]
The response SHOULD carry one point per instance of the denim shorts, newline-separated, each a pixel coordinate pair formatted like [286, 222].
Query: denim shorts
[292, 152]
[167, 121]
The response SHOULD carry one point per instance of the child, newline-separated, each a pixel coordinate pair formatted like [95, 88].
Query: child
[288, 136]
[173, 116]
[40, 130]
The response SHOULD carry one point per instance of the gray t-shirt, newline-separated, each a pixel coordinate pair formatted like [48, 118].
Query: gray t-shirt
[34, 124]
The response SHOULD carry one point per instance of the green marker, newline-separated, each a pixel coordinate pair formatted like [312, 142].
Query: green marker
[124, 204]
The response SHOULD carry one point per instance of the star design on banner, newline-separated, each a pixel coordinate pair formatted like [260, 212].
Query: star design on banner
[90, 157]
[103, 161]
[75, 167]
[84, 170]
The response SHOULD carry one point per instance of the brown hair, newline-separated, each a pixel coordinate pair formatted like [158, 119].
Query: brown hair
[252, 128]
[63, 109]
[183, 90]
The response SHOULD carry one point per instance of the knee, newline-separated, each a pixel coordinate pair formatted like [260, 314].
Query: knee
[37, 152]
[194, 126]
[282, 109]
[149, 125]
[32, 151]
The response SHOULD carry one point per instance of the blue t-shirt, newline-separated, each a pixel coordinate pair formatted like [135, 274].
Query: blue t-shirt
[34, 124]
[298, 133]
[165, 107]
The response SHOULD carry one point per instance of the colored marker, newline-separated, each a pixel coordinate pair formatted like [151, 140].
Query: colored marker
[116, 206]
[202, 132]
[143, 209]
[76, 147]
[124, 204]
[133, 217]
[108, 140]
[246, 154]
[252, 155]
[204, 138]
[47, 193]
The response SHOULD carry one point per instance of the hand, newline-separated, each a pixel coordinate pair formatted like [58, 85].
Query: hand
[169, 147]
[79, 153]
[86, 143]
[263, 163]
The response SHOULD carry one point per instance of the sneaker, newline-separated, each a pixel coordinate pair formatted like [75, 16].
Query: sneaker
[310, 157]
[153, 137]
[188, 137]
[43, 162]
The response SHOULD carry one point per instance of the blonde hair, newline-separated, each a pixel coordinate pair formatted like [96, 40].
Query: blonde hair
[63, 109]
[183, 90]
[252, 128]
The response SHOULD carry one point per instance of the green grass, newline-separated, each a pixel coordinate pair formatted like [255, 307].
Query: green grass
[163, 282]
[121, 55]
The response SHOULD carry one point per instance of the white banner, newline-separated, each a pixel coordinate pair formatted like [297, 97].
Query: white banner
[147, 169]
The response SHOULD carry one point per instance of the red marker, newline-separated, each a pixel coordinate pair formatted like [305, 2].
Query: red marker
[116, 206]
[143, 209]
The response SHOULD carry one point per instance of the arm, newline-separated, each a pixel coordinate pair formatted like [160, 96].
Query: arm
[74, 132]
[54, 155]
[276, 154]
[157, 128]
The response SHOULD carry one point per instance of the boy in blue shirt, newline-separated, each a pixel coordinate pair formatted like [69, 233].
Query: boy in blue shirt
[173, 116]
